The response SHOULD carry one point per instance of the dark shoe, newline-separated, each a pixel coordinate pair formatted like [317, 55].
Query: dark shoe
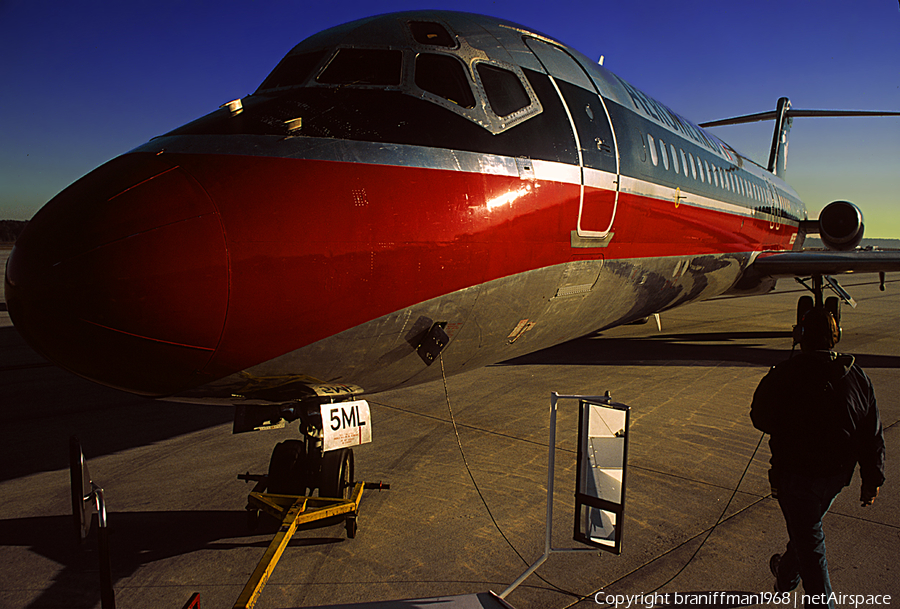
[773, 567]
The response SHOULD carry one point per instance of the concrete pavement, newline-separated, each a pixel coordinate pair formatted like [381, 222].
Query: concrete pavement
[176, 507]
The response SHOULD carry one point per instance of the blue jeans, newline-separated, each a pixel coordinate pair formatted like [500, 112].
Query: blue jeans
[804, 501]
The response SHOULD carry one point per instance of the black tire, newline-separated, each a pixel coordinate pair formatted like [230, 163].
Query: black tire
[286, 468]
[351, 525]
[336, 478]
[833, 306]
[804, 306]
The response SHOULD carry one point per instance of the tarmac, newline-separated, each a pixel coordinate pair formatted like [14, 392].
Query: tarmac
[464, 514]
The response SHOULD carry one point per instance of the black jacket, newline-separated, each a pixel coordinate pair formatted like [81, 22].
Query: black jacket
[819, 409]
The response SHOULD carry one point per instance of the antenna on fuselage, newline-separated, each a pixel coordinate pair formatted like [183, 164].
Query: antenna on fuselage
[784, 118]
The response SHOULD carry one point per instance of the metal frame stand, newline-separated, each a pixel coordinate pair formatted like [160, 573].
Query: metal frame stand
[87, 498]
[551, 467]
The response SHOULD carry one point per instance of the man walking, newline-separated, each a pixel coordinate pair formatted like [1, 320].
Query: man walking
[819, 409]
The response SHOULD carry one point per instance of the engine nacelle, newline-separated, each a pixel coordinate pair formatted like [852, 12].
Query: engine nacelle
[841, 226]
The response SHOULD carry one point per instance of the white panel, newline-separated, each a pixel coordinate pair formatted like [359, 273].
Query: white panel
[346, 424]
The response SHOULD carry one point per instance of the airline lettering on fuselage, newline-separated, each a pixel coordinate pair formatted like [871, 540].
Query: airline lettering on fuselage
[661, 114]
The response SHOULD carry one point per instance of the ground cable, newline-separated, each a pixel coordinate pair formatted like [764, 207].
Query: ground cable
[478, 490]
[702, 543]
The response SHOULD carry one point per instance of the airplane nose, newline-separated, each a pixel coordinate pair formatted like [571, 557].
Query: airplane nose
[122, 278]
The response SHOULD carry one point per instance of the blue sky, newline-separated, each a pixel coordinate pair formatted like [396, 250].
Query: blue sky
[86, 81]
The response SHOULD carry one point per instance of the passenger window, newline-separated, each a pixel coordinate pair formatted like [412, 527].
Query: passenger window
[652, 145]
[693, 166]
[363, 67]
[674, 158]
[503, 88]
[432, 34]
[444, 76]
[292, 70]
[662, 153]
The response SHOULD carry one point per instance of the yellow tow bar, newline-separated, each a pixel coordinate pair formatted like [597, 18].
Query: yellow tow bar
[293, 511]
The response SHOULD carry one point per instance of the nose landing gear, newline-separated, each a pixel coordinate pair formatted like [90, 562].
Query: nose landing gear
[297, 469]
[301, 467]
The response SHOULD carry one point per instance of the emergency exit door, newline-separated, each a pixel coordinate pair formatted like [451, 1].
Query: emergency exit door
[598, 156]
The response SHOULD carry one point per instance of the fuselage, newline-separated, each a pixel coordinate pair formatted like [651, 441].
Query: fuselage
[390, 174]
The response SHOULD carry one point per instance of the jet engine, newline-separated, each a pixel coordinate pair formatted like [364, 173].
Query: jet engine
[841, 226]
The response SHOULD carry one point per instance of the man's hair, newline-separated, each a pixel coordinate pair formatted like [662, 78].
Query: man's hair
[818, 330]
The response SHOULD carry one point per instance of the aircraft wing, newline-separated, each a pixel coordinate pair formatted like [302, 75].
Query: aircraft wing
[807, 263]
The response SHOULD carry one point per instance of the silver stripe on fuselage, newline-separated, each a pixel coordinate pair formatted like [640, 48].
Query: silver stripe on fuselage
[407, 155]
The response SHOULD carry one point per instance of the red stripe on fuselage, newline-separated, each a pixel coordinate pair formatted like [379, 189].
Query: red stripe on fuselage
[318, 247]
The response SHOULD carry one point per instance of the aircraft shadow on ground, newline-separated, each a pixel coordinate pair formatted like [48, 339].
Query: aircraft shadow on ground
[43, 405]
[136, 539]
[701, 348]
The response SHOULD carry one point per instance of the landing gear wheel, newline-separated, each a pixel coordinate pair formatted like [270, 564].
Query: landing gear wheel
[336, 478]
[804, 306]
[833, 306]
[287, 475]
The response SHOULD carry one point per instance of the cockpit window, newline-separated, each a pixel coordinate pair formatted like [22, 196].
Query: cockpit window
[444, 76]
[433, 34]
[503, 88]
[429, 62]
[379, 67]
[292, 70]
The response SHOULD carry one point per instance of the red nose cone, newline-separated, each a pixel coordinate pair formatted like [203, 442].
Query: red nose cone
[123, 277]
